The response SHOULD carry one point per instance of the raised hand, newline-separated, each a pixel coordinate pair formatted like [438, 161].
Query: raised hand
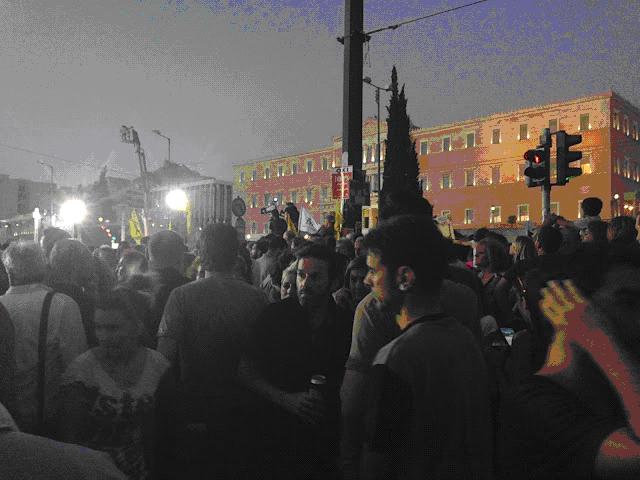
[566, 309]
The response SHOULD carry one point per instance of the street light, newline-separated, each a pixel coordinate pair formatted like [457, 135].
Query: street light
[157, 132]
[177, 200]
[73, 212]
[367, 80]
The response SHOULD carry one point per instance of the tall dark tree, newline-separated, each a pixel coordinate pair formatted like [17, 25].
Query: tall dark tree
[401, 167]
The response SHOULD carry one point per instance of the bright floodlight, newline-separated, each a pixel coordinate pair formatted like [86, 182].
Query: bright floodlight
[73, 211]
[177, 200]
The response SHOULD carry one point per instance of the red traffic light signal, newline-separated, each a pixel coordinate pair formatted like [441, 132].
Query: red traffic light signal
[534, 156]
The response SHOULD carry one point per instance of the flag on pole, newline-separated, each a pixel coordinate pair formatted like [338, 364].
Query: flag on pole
[338, 224]
[188, 214]
[134, 227]
[290, 225]
[307, 223]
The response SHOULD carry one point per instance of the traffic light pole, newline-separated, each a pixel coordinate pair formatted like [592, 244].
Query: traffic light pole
[546, 186]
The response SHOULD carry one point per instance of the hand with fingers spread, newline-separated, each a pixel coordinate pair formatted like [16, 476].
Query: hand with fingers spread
[566, 309]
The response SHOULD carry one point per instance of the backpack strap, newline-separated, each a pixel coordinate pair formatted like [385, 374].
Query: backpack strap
[42, 353]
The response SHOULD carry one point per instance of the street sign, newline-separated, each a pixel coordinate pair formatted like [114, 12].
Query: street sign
[340, 179]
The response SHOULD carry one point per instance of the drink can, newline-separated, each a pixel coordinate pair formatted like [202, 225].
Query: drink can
[317, 385]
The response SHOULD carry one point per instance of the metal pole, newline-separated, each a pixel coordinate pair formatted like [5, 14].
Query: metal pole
[546, 200]
[378, 151]
[169, 149]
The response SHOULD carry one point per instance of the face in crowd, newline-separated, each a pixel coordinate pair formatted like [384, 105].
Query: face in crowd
[358, 288]
[313, 282]
[117, 332]
[380, 280]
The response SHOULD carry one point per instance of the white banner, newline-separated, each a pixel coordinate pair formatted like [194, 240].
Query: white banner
[307, 223]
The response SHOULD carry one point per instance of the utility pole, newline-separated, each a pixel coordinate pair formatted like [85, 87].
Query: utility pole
[45, 164]
[354, 38]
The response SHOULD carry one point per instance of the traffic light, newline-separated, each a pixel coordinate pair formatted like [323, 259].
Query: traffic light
[537, 169]
[565, 157]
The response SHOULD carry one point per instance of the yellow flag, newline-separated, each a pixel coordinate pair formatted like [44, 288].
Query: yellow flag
[134, 227]
[188, 214]
[290, 225]
[338, 224]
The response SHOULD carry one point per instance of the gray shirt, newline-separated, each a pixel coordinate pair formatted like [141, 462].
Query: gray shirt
[65, 341]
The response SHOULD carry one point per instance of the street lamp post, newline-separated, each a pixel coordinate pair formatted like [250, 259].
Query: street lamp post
[157, 132]
[367, 80]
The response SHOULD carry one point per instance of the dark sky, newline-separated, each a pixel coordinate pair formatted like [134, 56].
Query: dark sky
[230, 81]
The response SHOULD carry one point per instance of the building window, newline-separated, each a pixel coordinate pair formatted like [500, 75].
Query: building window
[524, 132]
[616, 120]
[585, 163]
[553, 125]
[445, 181]
[309, 166]
[471, 140]
[309, 196]
[634, 131]
[383, 149]
[424, 147]
[625, 125]
[267, 199]
[468, 216]
[470, 177]
[495, 136]
[365, 153]
[254, 227]
[267, 173]
[523, 212]
[584, 122]
[254, 201]
[280, 171]
[294, 168]
[617, 166]
[554, 208]
[254, 175]
[426, 183]
[325, 164]
[325, 193]
[446, 144]
[626, 172]
[294, 197]
[495, 215]
[241, 177]
[495, 175]
[521, 167]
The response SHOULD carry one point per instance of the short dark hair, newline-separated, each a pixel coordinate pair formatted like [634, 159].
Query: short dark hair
[277, 242]
[592, 206]
[219, 247]
[623, 230]
[319, 252]
[49, 238]
[414, 241]
[165, 246]
[550, 239]
[496, 254]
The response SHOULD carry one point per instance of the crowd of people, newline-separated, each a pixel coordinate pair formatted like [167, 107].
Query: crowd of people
[395, 355]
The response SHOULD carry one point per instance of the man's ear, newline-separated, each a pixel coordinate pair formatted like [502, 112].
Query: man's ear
[405, 278]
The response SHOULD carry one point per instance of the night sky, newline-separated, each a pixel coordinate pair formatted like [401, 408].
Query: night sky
[230, 81]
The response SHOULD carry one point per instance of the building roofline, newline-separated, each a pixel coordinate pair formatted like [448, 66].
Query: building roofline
[494, 116]
[281, 157]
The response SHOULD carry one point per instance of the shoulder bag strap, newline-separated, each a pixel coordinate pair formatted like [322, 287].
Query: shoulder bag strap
[42, 352]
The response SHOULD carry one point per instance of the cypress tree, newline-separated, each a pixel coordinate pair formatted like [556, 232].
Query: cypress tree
[401, 169]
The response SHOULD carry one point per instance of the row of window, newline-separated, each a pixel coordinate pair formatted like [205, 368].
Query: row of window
[495, 213]
[281, 170]
[524, 133]
[471, 175]
[627, 168]
[628, 128]
[306, 195]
